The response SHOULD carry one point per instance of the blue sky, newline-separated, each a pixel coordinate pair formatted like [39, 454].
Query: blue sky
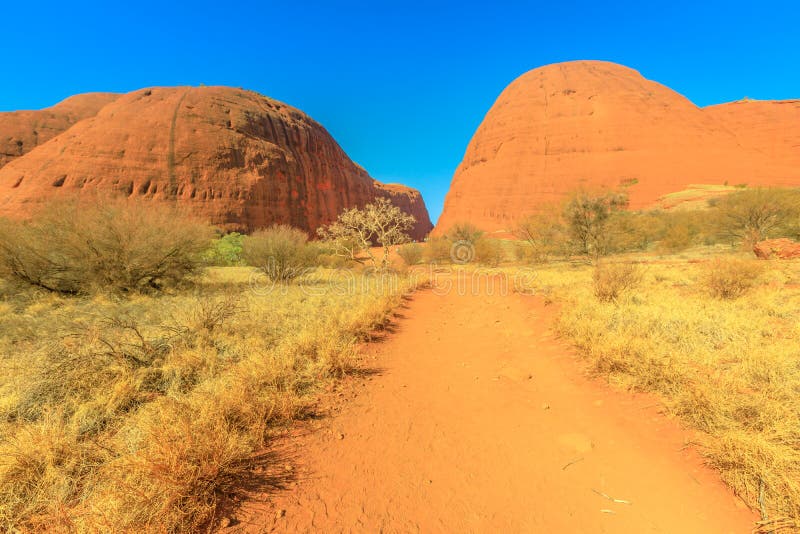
[400, 85]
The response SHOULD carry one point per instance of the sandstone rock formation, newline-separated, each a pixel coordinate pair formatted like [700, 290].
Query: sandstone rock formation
[593, 124]
[22, 131]
[783, 249]
[770, 127]
[237, 158]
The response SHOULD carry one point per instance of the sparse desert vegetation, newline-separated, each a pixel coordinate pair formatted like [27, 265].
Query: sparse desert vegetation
[356, 231]
[73, 247]
[720, 348]
[138, 387]
[689, 313]
[675, 302]
[280, 252]
[611, 280]
[565, 300]
[133, 401]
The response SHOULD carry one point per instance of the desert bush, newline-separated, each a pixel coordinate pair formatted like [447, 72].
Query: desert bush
[685, 228]
[225, 250]
[587, 216]
[612, 279]
[489, 251]
[464, 231]
[544, 232]
[728, 369]
[411, 253]
[333, 261]
[76, 246]
[523, 252]
[144, 414]
[753, 215]
[358, 229]
[730, 278]
[676, 237]
[437, 250]
[211, 313]
[631, 231]
[281, 252]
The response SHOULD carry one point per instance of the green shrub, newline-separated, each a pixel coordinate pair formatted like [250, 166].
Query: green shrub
[464, 231]
[281, 252]
[587, 216]
[756, 214]
[730, 278]
[677, 237]
[437, 250]
[489, 251]
[612, 279]
[76, 246]
[411, 253]
[225, 251]
[545, 234]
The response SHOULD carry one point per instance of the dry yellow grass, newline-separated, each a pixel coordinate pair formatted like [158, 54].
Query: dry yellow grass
[143, 413]
[729, 368]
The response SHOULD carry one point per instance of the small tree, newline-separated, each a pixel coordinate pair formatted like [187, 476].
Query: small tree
[411, 253]
[587, 217]
[281, 252]
[544, 231]
[357, 230]
[757, 214]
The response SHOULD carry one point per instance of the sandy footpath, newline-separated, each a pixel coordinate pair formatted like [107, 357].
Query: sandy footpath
[478, 420]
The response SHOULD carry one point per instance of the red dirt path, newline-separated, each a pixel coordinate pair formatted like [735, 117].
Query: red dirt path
[481, 421]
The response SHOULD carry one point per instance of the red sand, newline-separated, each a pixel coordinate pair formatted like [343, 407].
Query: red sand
[481, 421]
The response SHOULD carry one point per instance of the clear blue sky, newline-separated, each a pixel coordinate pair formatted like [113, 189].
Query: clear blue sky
[400, 85]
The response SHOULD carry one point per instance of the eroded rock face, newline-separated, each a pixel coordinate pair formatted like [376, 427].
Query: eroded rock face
[237, 158]
[593, 124]
[783, 249]
[410, 201]
[22, 131]
[767, 126]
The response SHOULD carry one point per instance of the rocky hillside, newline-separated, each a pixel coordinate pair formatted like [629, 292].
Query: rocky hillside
[593, 124]
[235, 157]
[22, 131]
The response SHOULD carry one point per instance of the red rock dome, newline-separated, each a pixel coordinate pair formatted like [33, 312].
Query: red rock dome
[237, 158]
[22, 131]
[597, 124]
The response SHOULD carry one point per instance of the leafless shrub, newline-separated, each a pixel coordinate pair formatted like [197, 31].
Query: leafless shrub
[281, 252]
[730, 278]
[73, 246]
[612, 279]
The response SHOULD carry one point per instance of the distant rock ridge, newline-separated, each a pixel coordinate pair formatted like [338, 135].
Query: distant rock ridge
[237, 158]
[594, 124]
